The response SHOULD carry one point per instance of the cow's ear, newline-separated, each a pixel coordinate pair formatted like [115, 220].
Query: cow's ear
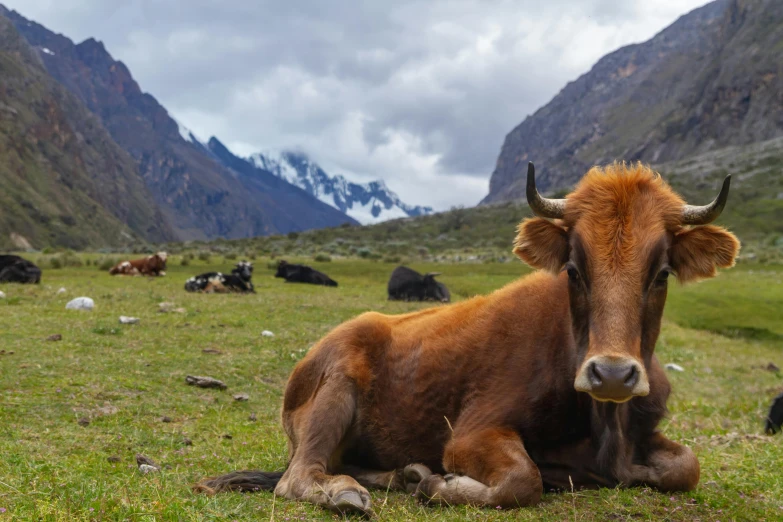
[697, 253]
[542, 244]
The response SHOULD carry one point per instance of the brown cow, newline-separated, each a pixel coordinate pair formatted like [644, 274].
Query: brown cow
[547, 381]
[154, 265]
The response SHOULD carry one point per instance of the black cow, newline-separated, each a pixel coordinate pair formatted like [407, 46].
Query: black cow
[303, 274]
[406, 284]
[217, 282]
[775, 416]
[14, 269]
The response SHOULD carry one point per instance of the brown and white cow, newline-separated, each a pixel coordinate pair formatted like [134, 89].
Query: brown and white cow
[548, 380]
[154, 265]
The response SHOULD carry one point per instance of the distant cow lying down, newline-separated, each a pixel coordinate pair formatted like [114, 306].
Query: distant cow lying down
[775, 416]
[14, 269]
[215, 282]
[154, 265]
[548, 382]
[303, 274]
[406, 284]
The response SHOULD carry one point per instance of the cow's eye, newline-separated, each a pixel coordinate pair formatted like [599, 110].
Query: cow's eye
[573, 274]
[662, 278]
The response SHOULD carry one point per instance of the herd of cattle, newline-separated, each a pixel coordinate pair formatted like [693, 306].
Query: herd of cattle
[405, 284]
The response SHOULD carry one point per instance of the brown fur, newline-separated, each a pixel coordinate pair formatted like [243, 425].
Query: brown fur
[484, 390]
[154, 265]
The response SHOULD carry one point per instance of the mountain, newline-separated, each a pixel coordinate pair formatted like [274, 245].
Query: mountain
[64, 180]
[277, 192]
[367, 203]
[199, 196]
[712, 79]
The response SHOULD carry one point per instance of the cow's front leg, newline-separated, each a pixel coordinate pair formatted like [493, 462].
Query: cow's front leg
[668, 466]
[489, 467]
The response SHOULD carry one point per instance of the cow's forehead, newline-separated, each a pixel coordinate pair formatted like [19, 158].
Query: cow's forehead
[621, 214]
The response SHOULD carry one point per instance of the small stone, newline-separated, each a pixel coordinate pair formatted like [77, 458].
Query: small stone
[2, 295]
[146, 464]
[124, 319]
[61, 291]
[772, 367]
[211, 350]
[113, 458]
[252, 417]
[55, 337]
[166, 307]
[84, 421]
[267, 333]
[187, 442]
[674, 367]
[205, 382]
[228, 436]
[80, 303]
[166, 419]
[241, 397]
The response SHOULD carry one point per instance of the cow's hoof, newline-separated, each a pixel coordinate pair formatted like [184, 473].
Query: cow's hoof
[352, 502]
[427, 491]
[413, 474]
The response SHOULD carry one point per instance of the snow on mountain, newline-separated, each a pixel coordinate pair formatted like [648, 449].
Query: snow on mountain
[367, 203]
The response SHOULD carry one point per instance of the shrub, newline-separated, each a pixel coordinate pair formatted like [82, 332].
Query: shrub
[204, 256]
[392, 259]
[184, 261]
[322, 258]
[365, 253]
[105, 263]
[55, 263]
[231, 256]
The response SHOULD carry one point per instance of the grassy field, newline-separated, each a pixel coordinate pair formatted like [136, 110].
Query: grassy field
[73, 413]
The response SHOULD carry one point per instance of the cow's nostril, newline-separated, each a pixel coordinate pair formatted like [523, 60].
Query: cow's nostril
[595, 375]
[632, 377]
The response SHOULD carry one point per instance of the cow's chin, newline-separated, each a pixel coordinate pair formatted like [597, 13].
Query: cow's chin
[616, 400]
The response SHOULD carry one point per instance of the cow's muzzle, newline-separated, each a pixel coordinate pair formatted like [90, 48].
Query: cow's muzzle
[611, 378]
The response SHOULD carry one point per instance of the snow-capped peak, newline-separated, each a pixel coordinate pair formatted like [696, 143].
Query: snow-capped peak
[367, 203]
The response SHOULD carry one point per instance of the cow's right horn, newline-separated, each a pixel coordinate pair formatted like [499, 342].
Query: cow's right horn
[542, 207]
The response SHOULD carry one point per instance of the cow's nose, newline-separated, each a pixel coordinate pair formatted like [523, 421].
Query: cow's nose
[613, 380]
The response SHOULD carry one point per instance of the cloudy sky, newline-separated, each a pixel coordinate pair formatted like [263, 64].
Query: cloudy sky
[420, 93]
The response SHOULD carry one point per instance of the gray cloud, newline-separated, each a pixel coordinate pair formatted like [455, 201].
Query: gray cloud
[418, 92]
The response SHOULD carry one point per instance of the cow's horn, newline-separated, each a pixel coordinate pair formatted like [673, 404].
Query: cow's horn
[702, 215]
[542, 207]
[432, 274]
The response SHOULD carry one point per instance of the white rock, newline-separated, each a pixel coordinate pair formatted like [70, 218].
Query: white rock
[674, 367]
[61, 291]
[80, 303]
[267, 333]
[2, 295]
[146, 468]
[124, 319]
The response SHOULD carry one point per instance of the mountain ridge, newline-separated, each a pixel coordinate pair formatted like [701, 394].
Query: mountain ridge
[198, 195]
[65, 181]
[709, 80]
[368, 203]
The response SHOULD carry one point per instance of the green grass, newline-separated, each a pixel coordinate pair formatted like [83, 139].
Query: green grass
[125, 379]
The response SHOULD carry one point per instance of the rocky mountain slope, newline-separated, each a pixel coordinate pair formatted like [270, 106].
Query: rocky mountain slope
[199, 196]
[367, 203]
[712, 79]
[63, 180]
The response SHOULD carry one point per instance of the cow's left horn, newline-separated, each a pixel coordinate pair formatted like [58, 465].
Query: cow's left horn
[702, 215]
[542, 207]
